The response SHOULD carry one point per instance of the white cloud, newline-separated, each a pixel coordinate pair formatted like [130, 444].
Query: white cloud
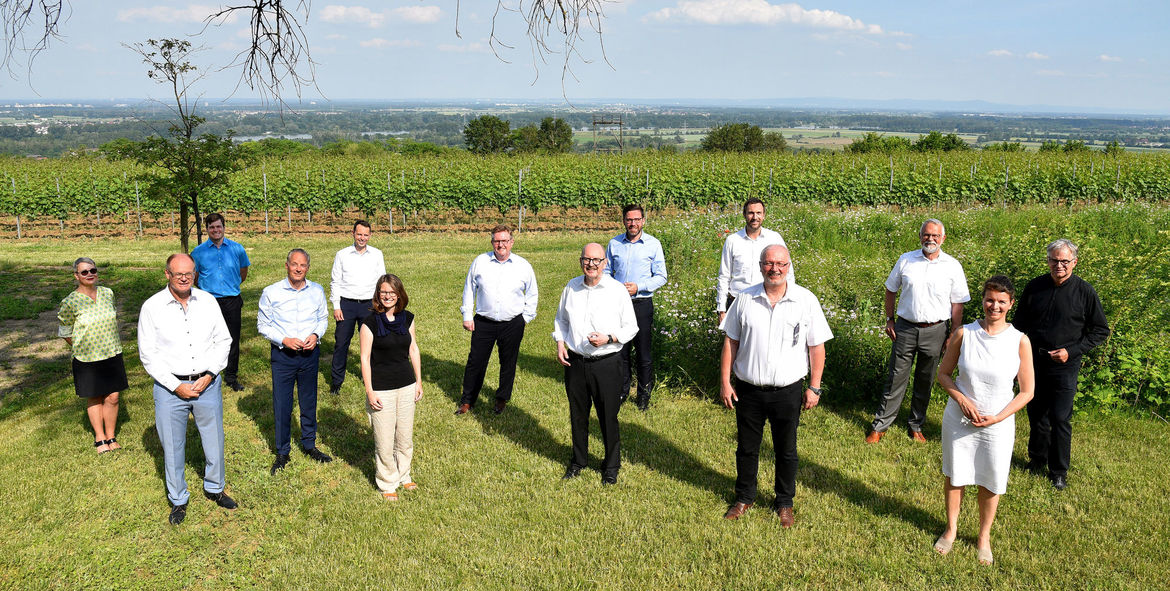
[1108, 58]
[1049, 72]
[194, 13]
[335, 37]
[468, 48]
[381, 43]
[353, 14]
[1036, 55]
[759, 12]
[417, 14]
[999, 53]
[903, 46]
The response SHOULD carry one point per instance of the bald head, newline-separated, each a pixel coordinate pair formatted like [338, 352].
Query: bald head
[774, 265]
[592, 262]
[775, 248]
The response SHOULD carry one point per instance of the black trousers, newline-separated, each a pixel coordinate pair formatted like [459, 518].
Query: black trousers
[596, 382]
[641, 360]
[231, 306]
[781, 407]
[505, 336]
[294, 369]
[353, 312]
[1050, 415]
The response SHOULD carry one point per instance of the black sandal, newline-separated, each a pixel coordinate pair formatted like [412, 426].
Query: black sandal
[99, 443]
[113, 440]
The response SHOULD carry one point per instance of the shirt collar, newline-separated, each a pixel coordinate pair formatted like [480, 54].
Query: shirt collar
[288, 286]
[492, 256]
[626, 238]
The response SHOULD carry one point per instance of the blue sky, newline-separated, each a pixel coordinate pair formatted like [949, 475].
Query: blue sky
[1069, 53]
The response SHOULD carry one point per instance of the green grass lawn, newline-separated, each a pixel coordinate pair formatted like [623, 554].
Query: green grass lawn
[491, 510]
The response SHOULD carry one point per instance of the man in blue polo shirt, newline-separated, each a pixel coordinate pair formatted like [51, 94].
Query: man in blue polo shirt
[221, 265]
[636, 260]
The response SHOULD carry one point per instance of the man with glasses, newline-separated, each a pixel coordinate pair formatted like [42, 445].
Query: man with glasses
[293, 317]
[635, 259]
[183, 343]
[356, 268]
[222, 266]
[739, 268]
[594, 318]
[775, 335]
[1062, 316]
[934, 290]
[499, 299]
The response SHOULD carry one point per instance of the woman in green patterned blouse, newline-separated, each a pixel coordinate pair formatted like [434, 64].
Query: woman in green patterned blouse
[89, 324]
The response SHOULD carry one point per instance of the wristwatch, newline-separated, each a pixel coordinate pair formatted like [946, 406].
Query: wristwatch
[609, 339]
[816, 391]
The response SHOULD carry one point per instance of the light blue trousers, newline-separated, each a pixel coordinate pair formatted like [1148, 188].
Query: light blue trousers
[170, 419]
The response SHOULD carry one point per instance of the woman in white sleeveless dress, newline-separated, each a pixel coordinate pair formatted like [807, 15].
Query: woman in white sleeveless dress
[978, 428]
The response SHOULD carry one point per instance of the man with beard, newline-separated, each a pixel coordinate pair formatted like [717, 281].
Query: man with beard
[934, 290]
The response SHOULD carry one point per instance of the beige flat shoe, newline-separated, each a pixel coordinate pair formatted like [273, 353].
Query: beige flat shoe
[409, 486]
[390, 496]
[985, 556]
[943, 546]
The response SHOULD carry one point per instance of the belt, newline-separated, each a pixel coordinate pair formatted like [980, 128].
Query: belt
[344, 299]
[579, 357]
[923, 324]
[481, 317]
[192, 377]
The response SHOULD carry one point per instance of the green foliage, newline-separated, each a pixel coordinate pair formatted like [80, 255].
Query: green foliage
[1004, 147]
[1113, 148]
[275, 148]
[741, 137]
[1074, 146]
[487, 134]
[554, 136]
[1049, 146]
[937, 142]
[874, 142]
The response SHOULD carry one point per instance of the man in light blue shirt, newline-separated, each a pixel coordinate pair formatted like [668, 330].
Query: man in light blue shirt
[636, 260]
[293, 316]
[221, 265]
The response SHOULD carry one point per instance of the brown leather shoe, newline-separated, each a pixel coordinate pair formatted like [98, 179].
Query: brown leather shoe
[737, 510]
[500, 405]
[874, 436]
[786, 517]
[918, 437]
[463, 409]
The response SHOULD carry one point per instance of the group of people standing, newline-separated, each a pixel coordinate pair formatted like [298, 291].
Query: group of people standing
[771, 365]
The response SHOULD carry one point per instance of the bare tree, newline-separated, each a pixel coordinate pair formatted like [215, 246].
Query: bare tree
[278, 60]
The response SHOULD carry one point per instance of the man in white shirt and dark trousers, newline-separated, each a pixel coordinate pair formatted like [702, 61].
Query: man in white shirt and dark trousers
[293, 317]
[775, 336]
[594, 319]
[934, 290]
[739, 268]
[183, 343]
[499, 299]
[356, 269]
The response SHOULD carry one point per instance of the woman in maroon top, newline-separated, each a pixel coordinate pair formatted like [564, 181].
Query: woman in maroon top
[393, 381]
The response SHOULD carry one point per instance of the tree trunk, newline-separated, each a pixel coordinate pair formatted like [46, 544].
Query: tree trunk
[184, 228]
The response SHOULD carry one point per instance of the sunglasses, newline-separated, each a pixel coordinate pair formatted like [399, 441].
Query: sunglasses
[87, 272]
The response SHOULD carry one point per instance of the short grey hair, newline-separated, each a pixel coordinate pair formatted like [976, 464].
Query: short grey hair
[288, 259]
[764, 253]
[1063, 244]
[83, 260]
[922, 228]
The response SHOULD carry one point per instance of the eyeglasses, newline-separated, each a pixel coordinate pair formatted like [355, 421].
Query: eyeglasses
[591, 262]
[387, 295]
[778, 265]
[932, 236]
[183, 275]
[1060, 262]
[88, 272]
[501, 241]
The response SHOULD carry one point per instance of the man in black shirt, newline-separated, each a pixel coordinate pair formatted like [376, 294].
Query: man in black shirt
[1062, 316]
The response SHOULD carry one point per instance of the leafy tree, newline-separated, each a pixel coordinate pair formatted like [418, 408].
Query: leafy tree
[1004, 147]
[273, 147]
[874, 142]
[556, 136]
[183, 165]
[487, 134]
[1074, 146]
[525, 139]
[1113, 148]
[1050, 146]
[741, 137]
[935, 141]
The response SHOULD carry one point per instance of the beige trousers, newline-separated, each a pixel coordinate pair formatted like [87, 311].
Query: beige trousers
[393, 437]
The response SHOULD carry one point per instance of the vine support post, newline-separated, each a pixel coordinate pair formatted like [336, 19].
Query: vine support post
[389, 203]
[265, 177]
[772, 175]
[14, 205]
[520, 199]
[138, 207]
[60, 220]
[891, 175]
[97, 210]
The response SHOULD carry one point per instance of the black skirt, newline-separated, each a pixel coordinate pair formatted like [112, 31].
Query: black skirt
[98, 378]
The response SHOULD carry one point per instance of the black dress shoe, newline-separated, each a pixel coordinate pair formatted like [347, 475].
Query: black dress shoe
[572, 471]
[1059, 482]
[609, 478]
[643, 403]
[279, 463]
[178, 513]
[236, 386]
[335, 390]
[221, 498]
[318, 455]
[500, 406]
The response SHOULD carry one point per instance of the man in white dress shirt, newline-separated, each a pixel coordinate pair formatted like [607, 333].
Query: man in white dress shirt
[183, 343]
[594, 319]
[775, 336]
[739, 267]
[356, 269]
[499, 299]
[934, 290]
[293, 317]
